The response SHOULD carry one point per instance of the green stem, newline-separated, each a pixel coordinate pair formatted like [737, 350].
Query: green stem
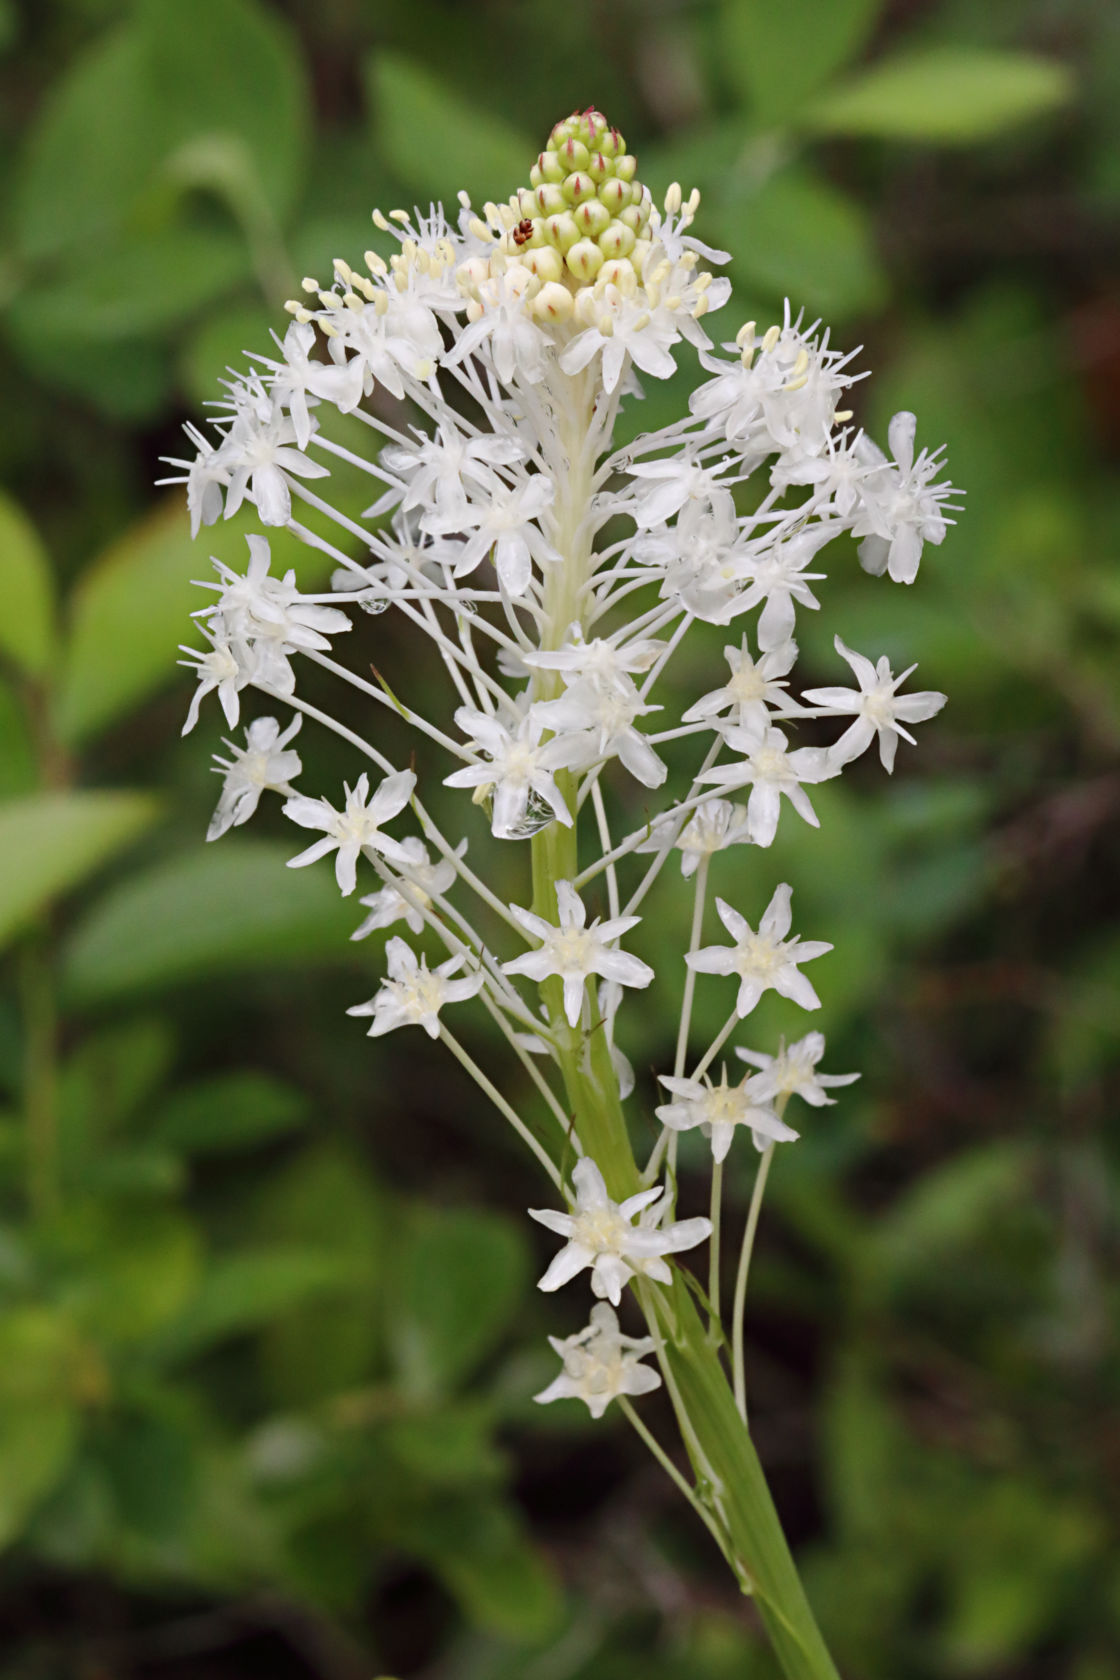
[737, 1311]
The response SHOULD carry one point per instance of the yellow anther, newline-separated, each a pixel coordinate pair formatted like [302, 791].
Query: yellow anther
[700, 308]
[293, 306]
[366, 287]
[745, 335]
[409, 249]
[342, 269]
[672, 303]
[773, 334]
[376, 265]
[479, 229]
[693, 203]
[328, 300]
[802, 362]
[381, 304]
[379, 221]
[399, 216]
[308, 284]
[353, 301]
[673, 199]
[328, 329]
[703, 281]
[843, 414]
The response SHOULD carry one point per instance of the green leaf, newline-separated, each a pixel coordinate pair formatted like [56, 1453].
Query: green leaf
[128, 291]
[80, 172]
[452, 1447]
[798, 237]
[460, 1279]
[779, 55]
[437, 142]
[27, 590]
[130, 1268]
[175, 75]
[228, 908]
[228, 1112]
[949, 95]
[241, 1292]
[230, 67]
[19, 769]
[327, 1200]
[131, 611]
[489, 1562]
[51, 841]
[41, 1363]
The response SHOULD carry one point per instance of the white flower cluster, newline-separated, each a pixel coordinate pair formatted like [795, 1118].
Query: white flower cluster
[556, 576]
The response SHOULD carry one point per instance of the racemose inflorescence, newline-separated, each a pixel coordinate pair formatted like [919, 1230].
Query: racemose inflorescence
[473, 376]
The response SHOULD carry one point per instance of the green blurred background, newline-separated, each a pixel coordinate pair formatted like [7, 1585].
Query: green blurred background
[267, 1322]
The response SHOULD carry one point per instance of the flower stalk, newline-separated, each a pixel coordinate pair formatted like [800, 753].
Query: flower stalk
[517, 335]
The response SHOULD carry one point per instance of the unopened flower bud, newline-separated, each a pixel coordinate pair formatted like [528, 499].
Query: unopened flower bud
[592, 218]
[599, 168]
[543, 261]
[551, 167]
[585, 259]
[562, 231]
[554, 301]
[617, 240]
[618, 272]
[549, 200]
[574, 155]
[615, 195]
[578, 187]
[626, 167]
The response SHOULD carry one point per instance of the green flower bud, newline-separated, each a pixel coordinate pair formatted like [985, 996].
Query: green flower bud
[584, 260]
[525, 202]
[616, 195]
[562, 231]
[547, 264]
[577, 188]
[631, 217]
[549, 200]
[599, 168]
[611, 143]
[551, 167]
[626, 167]
[592, 218]
[574, 155]
[560, 133]
[617, 240]
[535, 176]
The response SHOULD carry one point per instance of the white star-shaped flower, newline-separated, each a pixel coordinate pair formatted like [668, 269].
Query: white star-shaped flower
[793, 1072]
[413, 994]
[593, 721]
[601, 1235]
[600, 1364]
[503, 526]
[878, 708]
[261, 763]
[719, 1109]
[771, 770]
[354, 829]
[711, 828]
[422, 881]
[751, 689]
[519, 773]
[901, 509]
[764, 961]
[575, 952]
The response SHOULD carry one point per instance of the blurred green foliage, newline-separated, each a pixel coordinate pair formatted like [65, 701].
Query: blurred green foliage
[267, 1323]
